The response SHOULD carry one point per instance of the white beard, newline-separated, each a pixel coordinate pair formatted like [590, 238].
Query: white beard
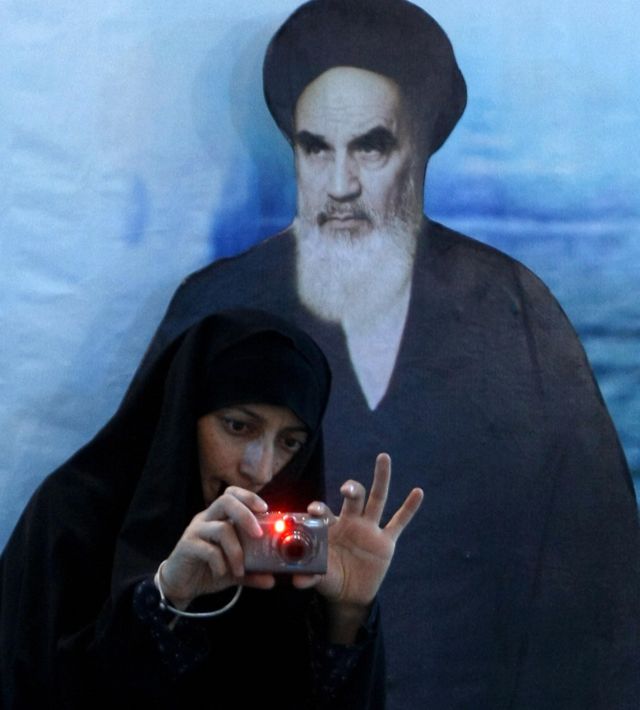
[353, 280]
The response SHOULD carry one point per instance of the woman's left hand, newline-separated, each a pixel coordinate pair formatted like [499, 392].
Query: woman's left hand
[360, 550]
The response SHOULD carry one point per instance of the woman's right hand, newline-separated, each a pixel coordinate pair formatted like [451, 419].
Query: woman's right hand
[208, 557]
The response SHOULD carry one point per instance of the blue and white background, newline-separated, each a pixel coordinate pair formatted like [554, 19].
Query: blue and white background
[135, 147]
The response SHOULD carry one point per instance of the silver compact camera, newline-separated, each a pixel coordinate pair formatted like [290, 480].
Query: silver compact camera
[290, 543]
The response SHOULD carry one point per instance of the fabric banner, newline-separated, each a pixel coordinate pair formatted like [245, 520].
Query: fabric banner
[137, 147]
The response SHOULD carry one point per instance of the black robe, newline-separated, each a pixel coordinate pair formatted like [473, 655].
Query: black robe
[70, 635]
[518, 583]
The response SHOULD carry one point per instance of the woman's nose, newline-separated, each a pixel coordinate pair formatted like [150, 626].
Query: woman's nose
[259, 461]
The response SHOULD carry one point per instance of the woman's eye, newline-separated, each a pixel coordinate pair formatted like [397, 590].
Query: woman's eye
[235, 426]
[292, 444]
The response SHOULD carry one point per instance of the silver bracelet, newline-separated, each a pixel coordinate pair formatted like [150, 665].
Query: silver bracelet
[191, 614]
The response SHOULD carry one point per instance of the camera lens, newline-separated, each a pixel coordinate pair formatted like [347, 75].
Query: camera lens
[295, 548]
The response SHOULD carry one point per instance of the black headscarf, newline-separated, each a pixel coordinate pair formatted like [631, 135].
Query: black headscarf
[107, 517]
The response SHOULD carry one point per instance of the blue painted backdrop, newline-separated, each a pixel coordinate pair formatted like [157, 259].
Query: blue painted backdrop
[135, 147]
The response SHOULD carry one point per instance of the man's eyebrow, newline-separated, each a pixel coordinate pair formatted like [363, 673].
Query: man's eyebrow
[379, 138]
[308, 141]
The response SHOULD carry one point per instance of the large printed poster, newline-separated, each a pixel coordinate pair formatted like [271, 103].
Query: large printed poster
[326, 165]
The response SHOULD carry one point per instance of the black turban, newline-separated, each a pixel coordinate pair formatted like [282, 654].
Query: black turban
[393, 38]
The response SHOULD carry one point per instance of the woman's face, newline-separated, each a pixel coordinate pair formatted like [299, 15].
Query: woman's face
[246, 445]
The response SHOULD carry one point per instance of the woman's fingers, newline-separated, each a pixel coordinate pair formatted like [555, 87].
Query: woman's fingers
[321, 510]
[218, 549]
[191, 562]
[305, 581]
[259, 580]
[402, 517]
[209, 555]
[379, 488]
[223, 535]
[240, 507]
[372, 507]
[249, 499]
[355, 494]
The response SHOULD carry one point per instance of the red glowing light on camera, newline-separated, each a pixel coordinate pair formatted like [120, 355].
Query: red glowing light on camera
[280, 526]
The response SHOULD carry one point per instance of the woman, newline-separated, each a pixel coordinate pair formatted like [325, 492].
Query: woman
[120, 583]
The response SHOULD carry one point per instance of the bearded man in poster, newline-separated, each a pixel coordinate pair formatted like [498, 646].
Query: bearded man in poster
[520, 586]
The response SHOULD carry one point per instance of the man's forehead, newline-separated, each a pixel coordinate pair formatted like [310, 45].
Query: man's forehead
[350, 98]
